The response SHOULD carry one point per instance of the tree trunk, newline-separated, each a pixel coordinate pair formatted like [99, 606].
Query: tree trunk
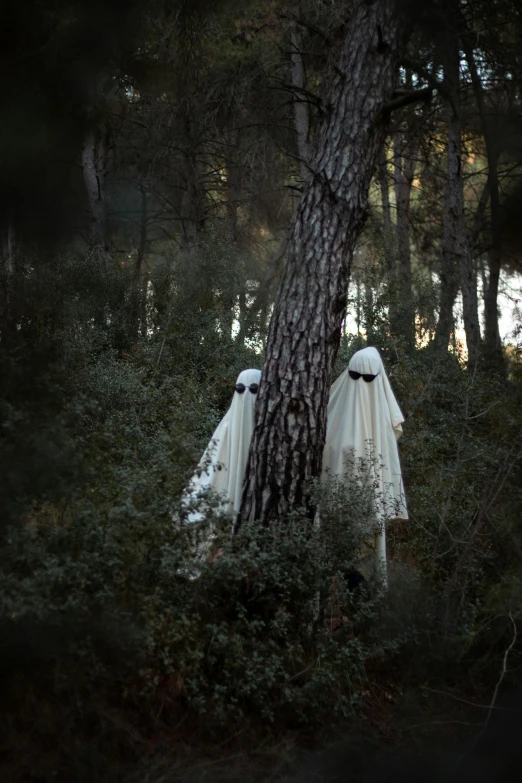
[301, 109]
[10, 259]
[449, 288]
[94, 159]
[193, 202]
[304, 334]
[9, 262]
[369, 313]
[492, 343]
[232, 296]
[141, 277]
[243, 316]
[405, 152]
[456, 245]
[387, 223]
[449, 274]
[404, 165]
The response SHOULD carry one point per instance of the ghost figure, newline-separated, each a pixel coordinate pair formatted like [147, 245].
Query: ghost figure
[363, 427]
[223, 464]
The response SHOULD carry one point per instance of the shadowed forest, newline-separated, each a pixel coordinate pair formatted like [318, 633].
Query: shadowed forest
[192, 188]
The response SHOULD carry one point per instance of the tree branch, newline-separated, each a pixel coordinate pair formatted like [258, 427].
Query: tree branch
[425, 94]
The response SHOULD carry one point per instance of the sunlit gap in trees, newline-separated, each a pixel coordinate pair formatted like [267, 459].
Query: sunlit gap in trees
[256, 344]
[510, 316]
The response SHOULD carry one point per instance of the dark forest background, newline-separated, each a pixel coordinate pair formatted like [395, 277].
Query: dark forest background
[151, 159]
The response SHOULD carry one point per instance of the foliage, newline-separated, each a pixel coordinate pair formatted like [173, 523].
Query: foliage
[100, 618]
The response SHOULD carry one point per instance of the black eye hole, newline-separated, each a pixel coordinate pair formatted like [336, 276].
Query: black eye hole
[365, 376]
[241, 388]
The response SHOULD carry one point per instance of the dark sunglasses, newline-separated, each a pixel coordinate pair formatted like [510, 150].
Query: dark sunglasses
[240, 388]
[366, 377]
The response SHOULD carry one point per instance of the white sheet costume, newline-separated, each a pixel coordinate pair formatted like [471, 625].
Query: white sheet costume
[223, 464]
[364, 424]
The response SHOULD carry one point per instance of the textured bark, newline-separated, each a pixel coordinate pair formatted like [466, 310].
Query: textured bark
[301, 109]
[94, 159]
[492, 343]
[456, 246]
[290, 421]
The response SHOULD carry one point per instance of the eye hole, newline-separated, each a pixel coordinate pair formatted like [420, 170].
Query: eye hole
[366, 377]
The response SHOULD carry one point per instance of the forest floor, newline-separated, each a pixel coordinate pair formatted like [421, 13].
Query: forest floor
[398, 734]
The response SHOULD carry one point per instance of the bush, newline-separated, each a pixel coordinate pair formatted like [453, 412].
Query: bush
[99, 618]
[107, 643]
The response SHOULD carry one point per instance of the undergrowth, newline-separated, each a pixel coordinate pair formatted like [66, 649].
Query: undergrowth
[112, 656]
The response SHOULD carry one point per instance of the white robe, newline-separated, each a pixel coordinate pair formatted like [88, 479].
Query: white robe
[364, 424]
[223, 464]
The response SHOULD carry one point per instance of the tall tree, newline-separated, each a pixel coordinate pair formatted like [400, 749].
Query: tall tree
[94, 167]
[406, 142]
[455, 235]
[300, 103]
[491, 336]
[456, 260]
[288, 441]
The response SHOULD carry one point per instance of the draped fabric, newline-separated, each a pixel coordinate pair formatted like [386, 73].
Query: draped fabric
[223, 463]
[364, 424]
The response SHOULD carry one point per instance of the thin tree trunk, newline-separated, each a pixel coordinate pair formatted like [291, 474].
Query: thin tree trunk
[358, 308]
[492, 343]
[405, 152]
[93, 164]
[368, 313]
[456, 245]
[479, 217]
[449, 288]
[449, 274]
[141, 277]
[387, 223]
[233, 191]
[301, 108]
[233, 188]
[10, 260]
[193, 202]
[404, 169]
[243, 315]
[290, 418]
